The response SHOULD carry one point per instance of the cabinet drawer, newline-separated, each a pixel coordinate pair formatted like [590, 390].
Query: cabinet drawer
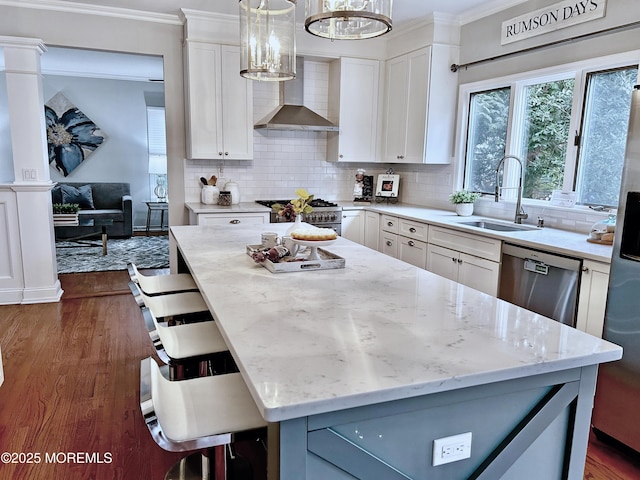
[389, 244]
[389, 224]
[237, 219]
[412, 251]
[476, 245]
[417, 231]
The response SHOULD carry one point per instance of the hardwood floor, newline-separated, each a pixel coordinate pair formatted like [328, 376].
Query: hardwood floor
[72, 388]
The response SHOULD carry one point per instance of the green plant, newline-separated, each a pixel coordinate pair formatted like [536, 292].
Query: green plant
[295, 207]
[66, 208]
[463, 196]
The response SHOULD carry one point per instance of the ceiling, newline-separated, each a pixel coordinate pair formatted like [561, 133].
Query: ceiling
[404, 11]
[87, 63]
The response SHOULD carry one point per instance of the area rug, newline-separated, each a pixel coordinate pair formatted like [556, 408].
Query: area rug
[145, 252]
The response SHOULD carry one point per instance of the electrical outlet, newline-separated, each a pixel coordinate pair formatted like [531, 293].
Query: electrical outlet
[451, 449]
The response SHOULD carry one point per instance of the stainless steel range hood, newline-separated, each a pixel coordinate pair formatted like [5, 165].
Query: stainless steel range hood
[292, 114]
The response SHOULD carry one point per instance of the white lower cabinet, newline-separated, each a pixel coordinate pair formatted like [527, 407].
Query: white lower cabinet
[371, 230]
[389, 244]
[592, 300]
[404, 239]
[353, 225]
[446, 257]
[242, 218]
[474, 272]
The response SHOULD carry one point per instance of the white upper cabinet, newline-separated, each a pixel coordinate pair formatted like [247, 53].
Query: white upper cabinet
[219, 103]
[420, 104]
[354, 86]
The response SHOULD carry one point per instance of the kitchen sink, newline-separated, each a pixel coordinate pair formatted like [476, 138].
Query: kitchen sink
[498, 226]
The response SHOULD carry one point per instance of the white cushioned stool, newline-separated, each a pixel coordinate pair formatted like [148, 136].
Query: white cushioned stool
[161, 284]
[197, 414]
[181, 346]
[169, 306]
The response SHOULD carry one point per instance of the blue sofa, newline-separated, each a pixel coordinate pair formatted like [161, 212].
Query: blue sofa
[97, 200]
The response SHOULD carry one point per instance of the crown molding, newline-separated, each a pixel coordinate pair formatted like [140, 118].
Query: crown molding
[98, 10]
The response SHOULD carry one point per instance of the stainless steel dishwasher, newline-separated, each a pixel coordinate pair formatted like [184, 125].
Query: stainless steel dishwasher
[542, 282]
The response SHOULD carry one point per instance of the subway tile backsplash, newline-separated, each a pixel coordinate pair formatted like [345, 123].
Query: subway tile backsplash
[285, 161]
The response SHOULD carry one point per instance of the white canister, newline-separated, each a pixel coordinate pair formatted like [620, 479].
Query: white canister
[235, 192]
[210, 194]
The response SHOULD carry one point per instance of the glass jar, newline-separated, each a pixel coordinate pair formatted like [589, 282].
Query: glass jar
[224, 198]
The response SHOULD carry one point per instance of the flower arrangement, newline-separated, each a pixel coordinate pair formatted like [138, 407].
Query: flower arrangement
[298, 205]
[463, 196]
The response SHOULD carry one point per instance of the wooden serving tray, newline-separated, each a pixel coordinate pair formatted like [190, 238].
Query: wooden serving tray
[299, 263]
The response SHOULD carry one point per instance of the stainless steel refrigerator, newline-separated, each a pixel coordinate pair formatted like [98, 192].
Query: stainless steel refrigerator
[617, 404]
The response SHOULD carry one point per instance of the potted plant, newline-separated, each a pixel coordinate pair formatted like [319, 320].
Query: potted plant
[463, 200]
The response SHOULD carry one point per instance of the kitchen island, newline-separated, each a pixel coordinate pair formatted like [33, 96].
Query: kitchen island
[362, 368]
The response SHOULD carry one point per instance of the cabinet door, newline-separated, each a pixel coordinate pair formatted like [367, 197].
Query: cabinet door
[389, 244]
[415, 230]
[353, 225]
[479, 273]
[371, 230]
[395, 121]
[412, 251]
[237, 108]
[417, 105]
[442, 261]
[357, 114]
[203, 100]
[592, 301]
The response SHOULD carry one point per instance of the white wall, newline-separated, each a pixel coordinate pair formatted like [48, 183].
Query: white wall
[118, 107]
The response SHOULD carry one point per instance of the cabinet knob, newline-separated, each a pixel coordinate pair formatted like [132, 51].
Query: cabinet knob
[226, 153]
[340, 156]
[459, 260]
[411, 243]
[389, 243]
[453, 259]
[390, 224]
[585, 269]
[412, 230]
[220, 154]
[235, 221]
[400, 157]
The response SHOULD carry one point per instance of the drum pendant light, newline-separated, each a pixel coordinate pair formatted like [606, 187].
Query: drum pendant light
[348, 19]
[267, 39]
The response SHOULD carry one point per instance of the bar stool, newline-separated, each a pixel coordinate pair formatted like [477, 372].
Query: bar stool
[190, 349]
[173, 307]
[202, 414]
[162, 284]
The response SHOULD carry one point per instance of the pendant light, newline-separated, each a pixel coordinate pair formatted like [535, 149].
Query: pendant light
[267, 39]
[348, 19]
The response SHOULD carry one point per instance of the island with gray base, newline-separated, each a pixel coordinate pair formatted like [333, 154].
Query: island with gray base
[361, 369]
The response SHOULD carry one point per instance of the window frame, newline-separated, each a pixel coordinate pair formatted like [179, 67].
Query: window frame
[579, 70]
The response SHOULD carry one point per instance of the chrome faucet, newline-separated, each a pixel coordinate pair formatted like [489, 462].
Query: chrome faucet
[520, 213]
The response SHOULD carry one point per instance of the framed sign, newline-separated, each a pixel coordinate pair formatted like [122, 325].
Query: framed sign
[388, 185]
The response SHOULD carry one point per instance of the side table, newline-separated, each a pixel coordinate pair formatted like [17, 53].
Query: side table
[156, 207]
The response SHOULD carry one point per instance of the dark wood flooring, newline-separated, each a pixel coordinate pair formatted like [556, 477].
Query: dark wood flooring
[72, 389]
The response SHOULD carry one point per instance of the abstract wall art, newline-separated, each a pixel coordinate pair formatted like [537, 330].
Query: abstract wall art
[71, 135]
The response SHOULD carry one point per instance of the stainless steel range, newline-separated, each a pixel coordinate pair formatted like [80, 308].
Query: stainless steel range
[325, 214]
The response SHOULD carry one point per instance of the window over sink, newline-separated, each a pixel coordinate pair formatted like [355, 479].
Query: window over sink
[568, 125]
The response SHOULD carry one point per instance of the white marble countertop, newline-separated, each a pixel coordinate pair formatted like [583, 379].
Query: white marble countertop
[549, 239]
[377, 330]
[242, 207]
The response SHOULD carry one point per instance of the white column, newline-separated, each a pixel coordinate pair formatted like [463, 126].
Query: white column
[32, 184]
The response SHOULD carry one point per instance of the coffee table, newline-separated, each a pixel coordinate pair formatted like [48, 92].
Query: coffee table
[96, 227]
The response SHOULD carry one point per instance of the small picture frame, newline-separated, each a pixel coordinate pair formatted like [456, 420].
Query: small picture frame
[388, 185]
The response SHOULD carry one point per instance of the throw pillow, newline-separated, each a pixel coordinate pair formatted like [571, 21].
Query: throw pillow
[81, 195]
[56, 194]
